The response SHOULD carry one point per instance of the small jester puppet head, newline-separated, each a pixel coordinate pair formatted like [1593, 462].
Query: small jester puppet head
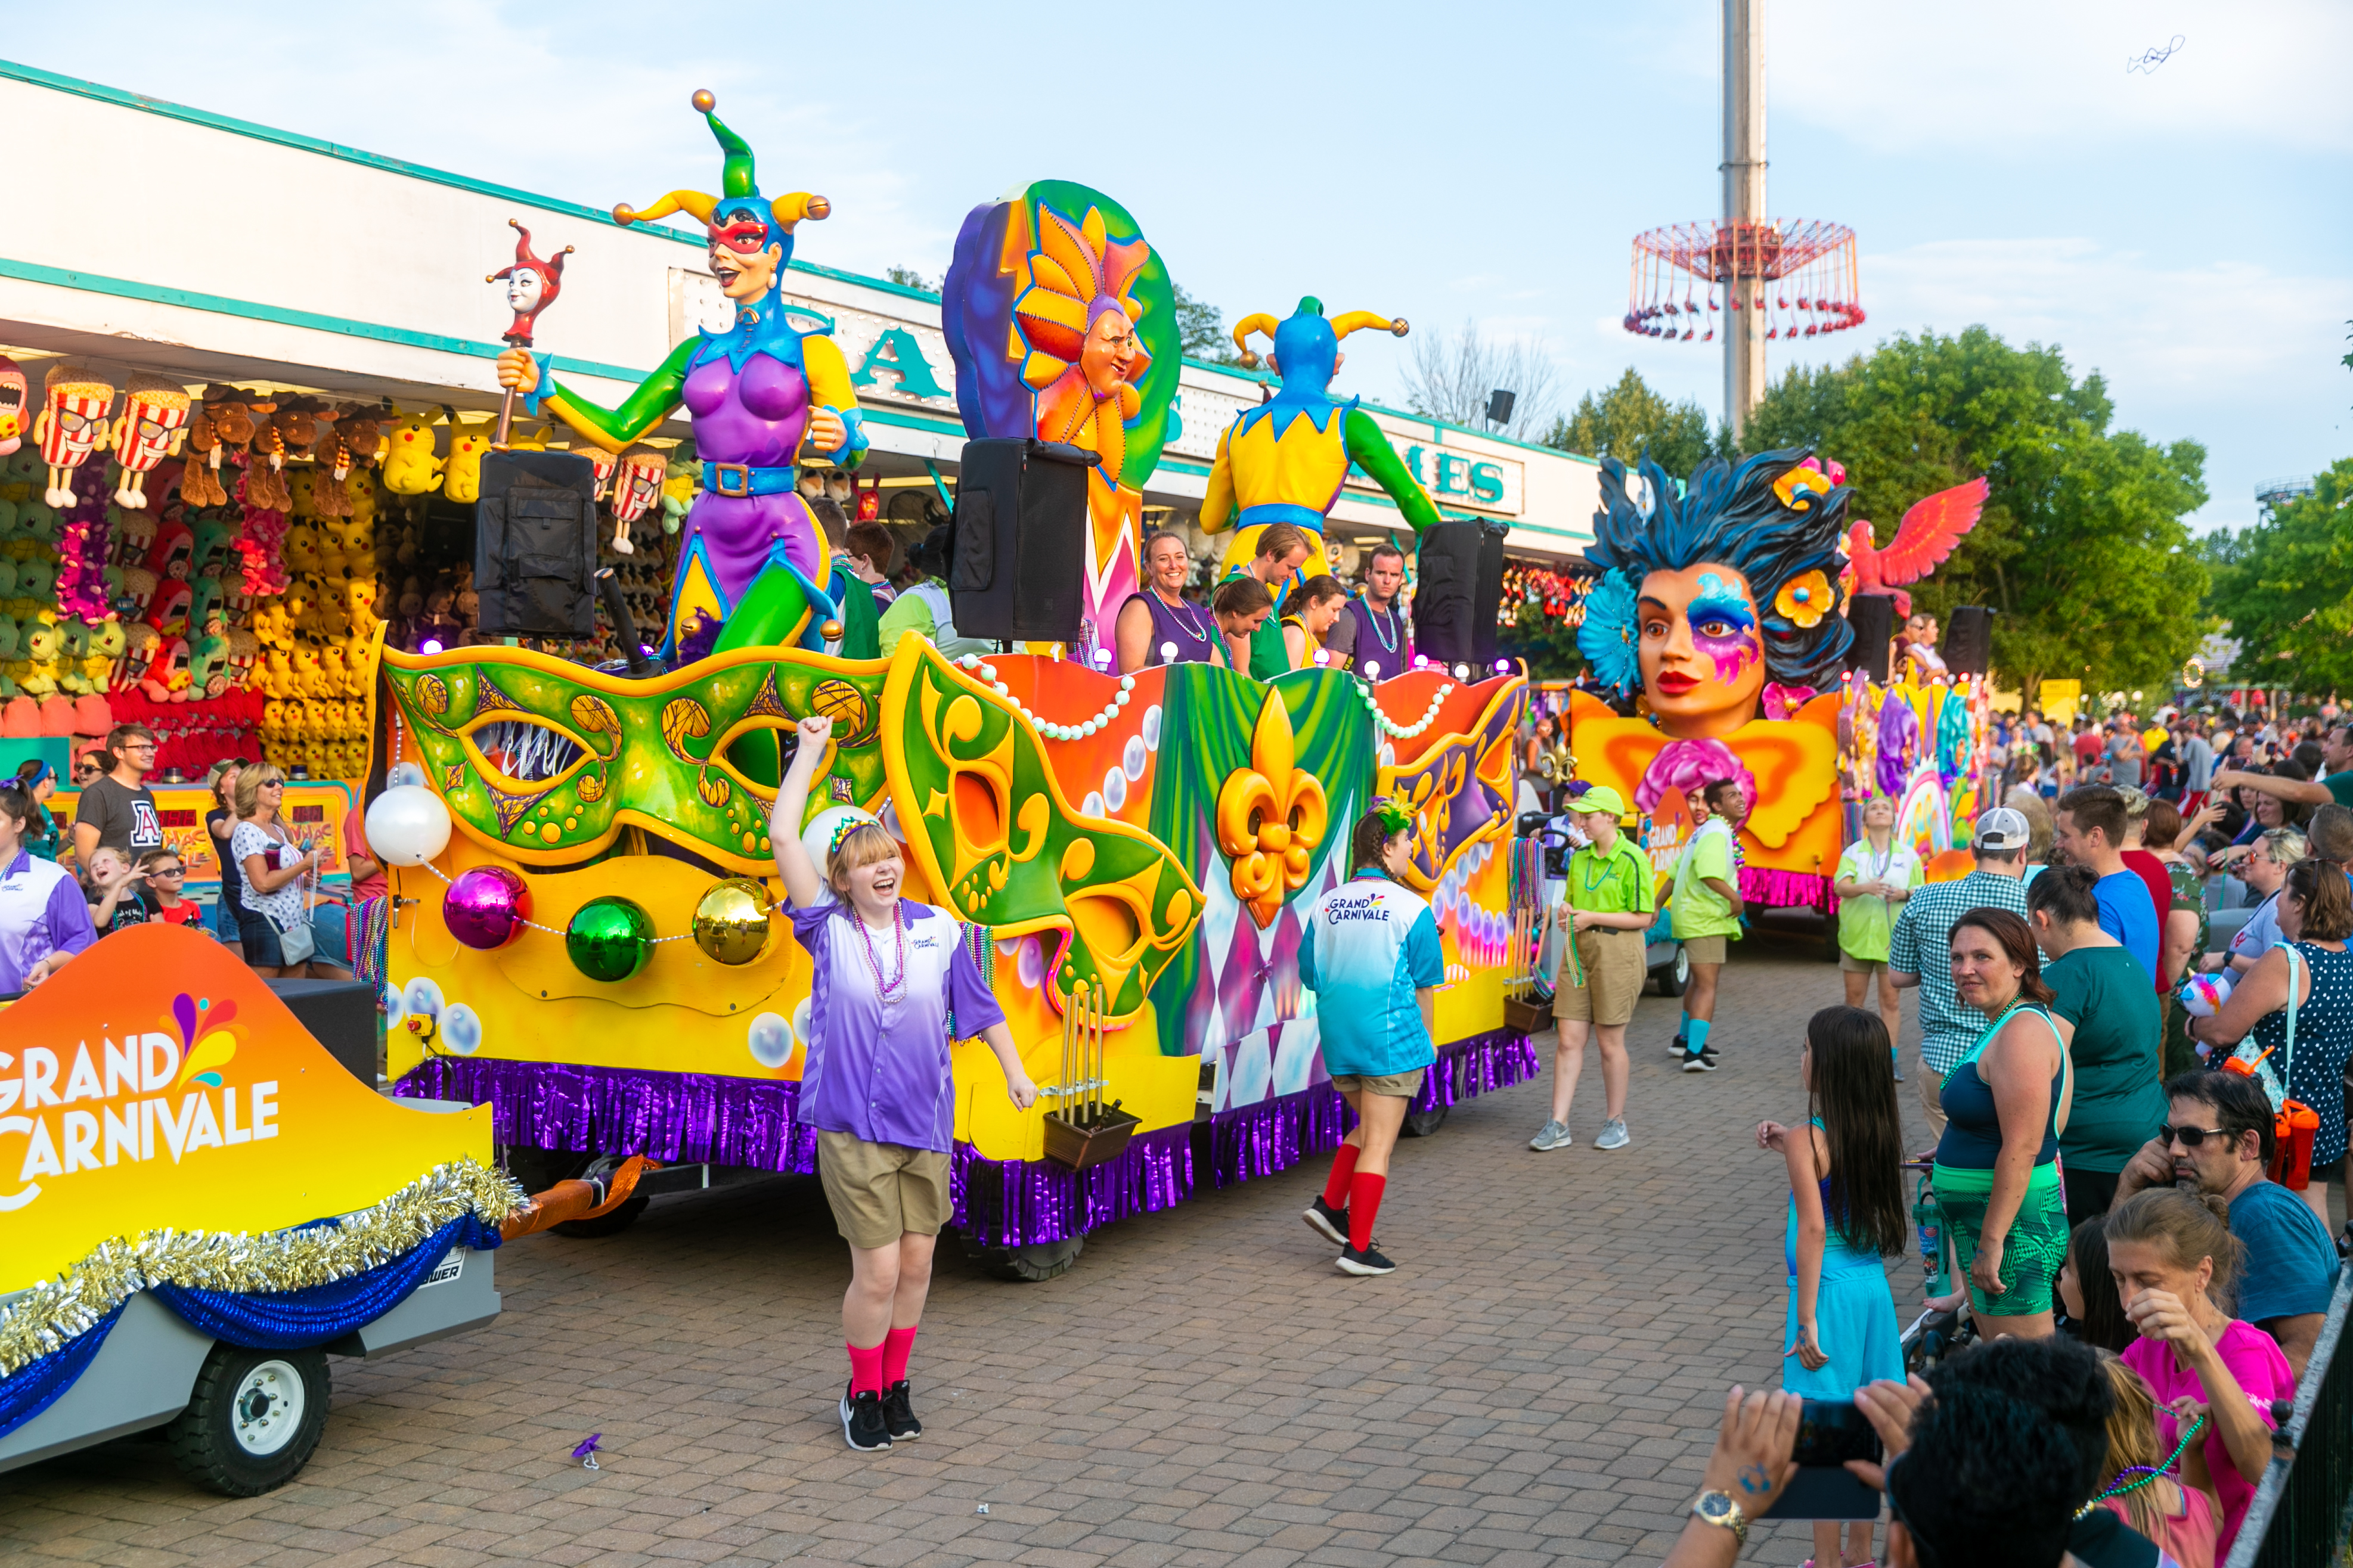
[751, 239]
[1306, 352]
[1709, 592]
[531, 285]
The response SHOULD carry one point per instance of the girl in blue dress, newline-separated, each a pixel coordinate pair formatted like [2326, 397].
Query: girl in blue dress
[1846, 1213]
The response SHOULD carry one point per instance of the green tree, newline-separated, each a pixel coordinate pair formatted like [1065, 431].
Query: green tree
[2081, 550]
[1630, 422]
[1202, 328]
[2285, 587]
[908, 277]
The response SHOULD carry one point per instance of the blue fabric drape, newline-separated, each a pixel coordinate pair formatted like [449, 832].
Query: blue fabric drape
[295, 1319]
[34, 1386]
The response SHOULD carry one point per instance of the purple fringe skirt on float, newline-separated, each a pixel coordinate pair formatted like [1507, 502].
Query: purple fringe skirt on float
[1772, 890]
[695, 1117]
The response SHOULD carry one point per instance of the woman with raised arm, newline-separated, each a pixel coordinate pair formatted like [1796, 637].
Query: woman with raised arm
[888, 974]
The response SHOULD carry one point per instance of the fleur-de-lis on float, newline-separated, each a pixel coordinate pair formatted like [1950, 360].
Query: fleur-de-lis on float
[1270, 817]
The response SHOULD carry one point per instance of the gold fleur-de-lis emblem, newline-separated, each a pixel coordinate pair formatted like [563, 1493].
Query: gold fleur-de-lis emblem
[1270, 817]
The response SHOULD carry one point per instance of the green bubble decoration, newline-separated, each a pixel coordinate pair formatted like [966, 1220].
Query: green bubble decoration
[609, 940]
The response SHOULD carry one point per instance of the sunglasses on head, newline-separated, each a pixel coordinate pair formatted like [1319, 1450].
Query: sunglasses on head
[2191, 1137]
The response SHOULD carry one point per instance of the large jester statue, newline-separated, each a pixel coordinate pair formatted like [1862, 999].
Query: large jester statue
[751, 556]
[1285, 460]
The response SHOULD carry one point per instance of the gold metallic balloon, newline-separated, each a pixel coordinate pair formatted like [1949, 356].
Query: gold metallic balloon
[730, 921]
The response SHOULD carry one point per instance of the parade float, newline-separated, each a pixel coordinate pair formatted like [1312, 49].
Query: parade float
[584, 926]
[202, 1204]
[1717, 634]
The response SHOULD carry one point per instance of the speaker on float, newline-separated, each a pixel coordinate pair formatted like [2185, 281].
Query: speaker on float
[1016, 562]
[1969, 640]
[536, 538]
[1872, 618]
[1460, 596]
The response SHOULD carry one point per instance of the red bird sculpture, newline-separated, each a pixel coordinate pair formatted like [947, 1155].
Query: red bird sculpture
[1926, 535]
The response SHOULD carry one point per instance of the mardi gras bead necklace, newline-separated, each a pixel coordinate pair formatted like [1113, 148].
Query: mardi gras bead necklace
[891, 989]
[2143, 1475]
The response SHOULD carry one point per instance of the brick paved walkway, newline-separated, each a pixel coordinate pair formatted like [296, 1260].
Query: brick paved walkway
[1540, 1382]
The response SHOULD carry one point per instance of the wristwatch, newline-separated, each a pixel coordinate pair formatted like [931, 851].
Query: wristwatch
[1718, 1508]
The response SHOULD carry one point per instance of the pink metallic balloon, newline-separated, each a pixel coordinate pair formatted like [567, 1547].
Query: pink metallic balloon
[486, 907]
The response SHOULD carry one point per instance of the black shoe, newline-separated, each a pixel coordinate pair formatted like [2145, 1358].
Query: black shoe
[1700, 1060]
[861, 1422]
[1367, 1262]
[1327, 1222]
[1678, 1047]
[899, 1413]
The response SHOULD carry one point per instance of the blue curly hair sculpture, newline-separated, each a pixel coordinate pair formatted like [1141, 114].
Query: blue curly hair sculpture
[1734, 517]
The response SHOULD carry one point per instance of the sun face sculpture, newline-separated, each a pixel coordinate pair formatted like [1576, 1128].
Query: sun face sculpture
[1076, 325]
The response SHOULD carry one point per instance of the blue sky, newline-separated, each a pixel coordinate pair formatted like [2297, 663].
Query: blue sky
[2184, 230]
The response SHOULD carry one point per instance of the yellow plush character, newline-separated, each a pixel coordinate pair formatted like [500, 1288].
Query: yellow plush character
[299, 549]
[309, 680]
[41, 642]
[359, 495]
[363, 595]
[333, 670]
[278, 673]
[302, 485]
[411, 469]
[462, 474]
[273, 722]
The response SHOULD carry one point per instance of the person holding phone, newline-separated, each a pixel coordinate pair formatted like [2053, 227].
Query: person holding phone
[271, 865]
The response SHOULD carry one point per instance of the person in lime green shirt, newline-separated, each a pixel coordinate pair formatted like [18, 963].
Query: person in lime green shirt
[1611, 900]
[1875, 875]
[1707, 911]
[1281, 549]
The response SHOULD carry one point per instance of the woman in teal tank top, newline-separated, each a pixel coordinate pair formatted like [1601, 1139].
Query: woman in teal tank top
[1998, 1163]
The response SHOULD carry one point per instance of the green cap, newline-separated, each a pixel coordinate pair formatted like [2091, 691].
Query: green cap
[1601, 798]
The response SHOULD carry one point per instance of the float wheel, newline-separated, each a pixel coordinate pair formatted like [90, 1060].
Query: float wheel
[1032, 1265]
[253, 1420]
[1424, 1123]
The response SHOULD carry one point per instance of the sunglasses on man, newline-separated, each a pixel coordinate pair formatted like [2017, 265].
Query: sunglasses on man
[2192, 1137]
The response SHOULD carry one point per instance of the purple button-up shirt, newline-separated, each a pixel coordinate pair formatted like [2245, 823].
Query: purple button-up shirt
[41, 912]
[877, 1070]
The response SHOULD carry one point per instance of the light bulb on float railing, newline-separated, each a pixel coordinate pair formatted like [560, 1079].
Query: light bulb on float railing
[1168, 653]
[1323, 655]
[1461, 672]
[1372, 669]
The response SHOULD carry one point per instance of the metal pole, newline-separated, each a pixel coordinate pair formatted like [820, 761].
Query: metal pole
[1744, 204]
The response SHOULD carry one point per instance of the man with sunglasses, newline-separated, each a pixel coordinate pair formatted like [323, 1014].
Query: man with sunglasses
[2218, 1137]
[118, 811]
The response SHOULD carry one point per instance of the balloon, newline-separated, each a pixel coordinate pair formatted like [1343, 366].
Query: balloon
[486, 907]
[407, 825]
[609, 939]
[730, 921]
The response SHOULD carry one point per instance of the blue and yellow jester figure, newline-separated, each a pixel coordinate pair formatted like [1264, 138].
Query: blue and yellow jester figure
[751, 556]
[1285, 460]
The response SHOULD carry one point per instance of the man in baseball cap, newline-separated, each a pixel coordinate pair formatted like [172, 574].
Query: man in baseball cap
[1918, 952]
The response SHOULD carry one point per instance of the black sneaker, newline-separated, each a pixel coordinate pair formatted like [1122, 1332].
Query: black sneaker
[899, 1413]
[862, 1425]
[1367, 1262]
[1327, 1222]
[1678, 1047]
[1700, 1060]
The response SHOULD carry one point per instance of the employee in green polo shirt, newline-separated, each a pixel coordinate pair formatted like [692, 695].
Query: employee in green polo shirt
[1281, 549]
[1612, 903]
[1707, 910]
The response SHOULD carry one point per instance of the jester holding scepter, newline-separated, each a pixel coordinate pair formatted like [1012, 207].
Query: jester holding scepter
[752, 554]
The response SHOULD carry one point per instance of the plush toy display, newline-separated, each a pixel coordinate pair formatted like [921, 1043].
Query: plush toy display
[150, 428]
[16, 406]
[72, 423]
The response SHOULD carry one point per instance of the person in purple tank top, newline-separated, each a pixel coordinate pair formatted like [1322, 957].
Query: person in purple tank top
[1159, 619]
[887, 978]
[1382, 644]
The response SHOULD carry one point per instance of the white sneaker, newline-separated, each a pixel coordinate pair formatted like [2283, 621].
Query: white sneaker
[1554, 1136]
[1613, 1134]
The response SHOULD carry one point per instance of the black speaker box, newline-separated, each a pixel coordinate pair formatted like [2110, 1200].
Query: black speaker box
[1872, 618]
[1969, 640]
[1018, 563]
[1460, 596]
[535, 537]
[341, 1014]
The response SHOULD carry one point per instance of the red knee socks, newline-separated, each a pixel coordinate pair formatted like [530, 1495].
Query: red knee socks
[897, 1346]
[866, 1368]
[1343, 1166]
[1364, 1203]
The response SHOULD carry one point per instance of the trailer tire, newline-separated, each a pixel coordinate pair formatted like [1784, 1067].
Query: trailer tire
[1674, 976]
[1424, 1123]
[1032, 1265]
[613, 1224]
[253, 1420]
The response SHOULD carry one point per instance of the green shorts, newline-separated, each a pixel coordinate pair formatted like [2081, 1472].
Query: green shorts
[2031, 1253]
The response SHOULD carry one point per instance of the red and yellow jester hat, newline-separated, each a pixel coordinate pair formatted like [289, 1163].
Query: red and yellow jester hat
[738, 216]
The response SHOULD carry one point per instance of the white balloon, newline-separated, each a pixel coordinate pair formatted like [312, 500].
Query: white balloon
[407, 825]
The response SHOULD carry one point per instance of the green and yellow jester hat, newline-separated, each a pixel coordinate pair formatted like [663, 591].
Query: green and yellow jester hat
[738, 217]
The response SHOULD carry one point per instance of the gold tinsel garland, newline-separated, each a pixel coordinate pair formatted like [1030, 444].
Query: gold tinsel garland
[55, 1311]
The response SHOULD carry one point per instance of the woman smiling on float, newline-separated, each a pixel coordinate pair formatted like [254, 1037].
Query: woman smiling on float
[1996, 1172]
[878, 1085]
[1158, 617]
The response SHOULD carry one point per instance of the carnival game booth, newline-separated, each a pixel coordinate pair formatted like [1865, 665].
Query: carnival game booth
[587, 935]
[202, 1205]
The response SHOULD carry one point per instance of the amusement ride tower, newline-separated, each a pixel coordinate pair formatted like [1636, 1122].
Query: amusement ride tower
[1762, 278]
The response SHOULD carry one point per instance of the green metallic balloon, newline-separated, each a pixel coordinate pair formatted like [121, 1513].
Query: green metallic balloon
[609, 939]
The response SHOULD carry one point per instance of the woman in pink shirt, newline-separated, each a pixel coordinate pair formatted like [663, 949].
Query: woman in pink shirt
[2168, 1249]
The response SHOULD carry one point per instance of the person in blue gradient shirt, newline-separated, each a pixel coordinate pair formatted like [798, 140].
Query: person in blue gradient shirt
[1371, 955]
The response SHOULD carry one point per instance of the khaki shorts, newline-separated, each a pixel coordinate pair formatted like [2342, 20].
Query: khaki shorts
[1932, 1096]
[1614, 973]
[1850, 963]
[1394, 1085]
[880, 1192]
[1704, 949]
